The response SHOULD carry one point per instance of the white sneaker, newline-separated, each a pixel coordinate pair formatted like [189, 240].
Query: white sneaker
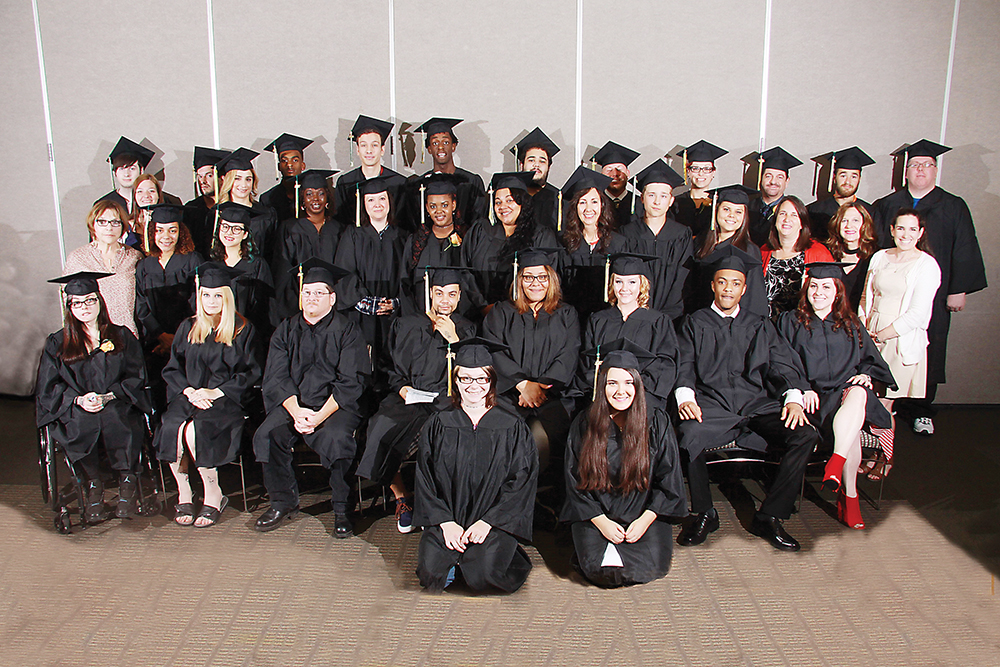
[923, 426]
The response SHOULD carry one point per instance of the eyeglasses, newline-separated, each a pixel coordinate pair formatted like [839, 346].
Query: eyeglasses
[89, 302]
[465, 379]
[700, 170]
[107, 224]
[921, 165]
[229, 229]
[309, 294]
[541, 280]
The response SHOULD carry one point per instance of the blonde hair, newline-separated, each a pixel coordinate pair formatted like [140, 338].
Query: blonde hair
[642, 300]
[553, 295]
[227, 329]
[226, 186]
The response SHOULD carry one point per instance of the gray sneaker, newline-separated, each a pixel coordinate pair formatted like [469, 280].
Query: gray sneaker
[923, 426]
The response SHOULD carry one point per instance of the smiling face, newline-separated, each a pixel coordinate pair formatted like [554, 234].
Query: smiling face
[146, 193]
[846, 182]
[821, 293]
[536, 160]
[165, 236]
[535, 283]
[84, 308]
[788, 223]
[588, 207]
[377, 207]
[657, 198]
[441, 148]
[290, 163]
[773, 183]
[231, 234]
[317, 300]
[471, 386]
[850, 228]
[506, 208]
[206, 180]
[211, 300]
[701, 174]
[728, 285]
[370, 149]
[729, 217]
[441, 210]
[619, 388]
[906, 231]
[242, 185]
[626, 289]
[125, 176]
[315, 200]
[444, 298]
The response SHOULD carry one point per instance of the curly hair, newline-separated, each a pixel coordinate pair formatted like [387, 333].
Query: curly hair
[185, 244]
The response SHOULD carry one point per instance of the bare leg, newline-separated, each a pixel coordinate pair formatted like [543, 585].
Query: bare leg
[213, 492]
[397, 487]
[179, 469]
[847, 424]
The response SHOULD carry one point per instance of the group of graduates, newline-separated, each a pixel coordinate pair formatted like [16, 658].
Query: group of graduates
[533, 349]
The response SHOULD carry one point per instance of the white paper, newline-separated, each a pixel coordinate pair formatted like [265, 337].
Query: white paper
[611, 557]
[417, 396]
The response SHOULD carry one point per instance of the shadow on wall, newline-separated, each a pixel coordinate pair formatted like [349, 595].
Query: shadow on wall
[31, 306]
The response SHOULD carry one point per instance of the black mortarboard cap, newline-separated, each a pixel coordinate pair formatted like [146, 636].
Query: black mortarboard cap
[436, 125]
[534, 139]
[585, 178]
[438, 183]
[365, 124]
[850, 158]
[231, 211]
[659, 172]
[730, 257]
[288, 142]
[373, 186]
[81, 282]
[780, 159]
[827, 270]
[923, 148]
[612, 153]
[216, 274]
[530, 257]
[315, 270]
[446, 275]
[735, 194]
[166, 213]
[631, 264]
[315, 178]
[702, 151]
[476, 352]
[622, 353]
[204, 157]
[241, 158]
[515, 180]
[126, 146]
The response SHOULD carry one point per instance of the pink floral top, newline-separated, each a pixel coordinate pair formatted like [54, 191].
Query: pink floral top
[118, 290]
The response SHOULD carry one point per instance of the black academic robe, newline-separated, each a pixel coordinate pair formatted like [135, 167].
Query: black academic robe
[698, 219]
[264, 231]
[471, 196]
[952, 236]
[254, 292]
[233, 369]
[199, 218]
[314, 362]
[733, 364]
[624, 210]
[345, 197]
[649, 329]
[673, 246]
[854, 282]
[469, 473]
[582, 274]
[820, 213]
[120, 424]
[760, 220]
[486, 252]
[698, 284]
[545, 202]
[163, 293]
[419, 360]
[436, 252]
[300, 241]
[649, 557]
[277, 198]
[831, 358]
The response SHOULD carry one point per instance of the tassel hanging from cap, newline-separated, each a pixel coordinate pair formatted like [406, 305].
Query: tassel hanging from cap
[350, 144]
[559, 213]
[607, 279]
[760, 170]
[423, 146]
[277, 169]
[517, 158]
[489, 198]
[906, 158]
[146, 218]
[427, 291]
[685, 165]
[597, 370]
[215, 183]
[357, 206]
[450, 356]
[715, 200]
[197, 282]
[513, 283]
[833, 167]
[300, 286]
[423, 205]
[296, 196]
[197, 192]
[635, 193]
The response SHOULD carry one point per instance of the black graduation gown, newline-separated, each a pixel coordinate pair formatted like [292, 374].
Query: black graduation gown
[345, 197]
[119, 424]
[254, 292]
[436, 252]
[820, 213]
[731, 363]
[299, 242]
[264, 231]
[545, 202]
[199, 218]
[471, 196]
[314, 362]
[854, 282]
[419, 360]
[647, 328]
[623, 208]
[760, 220]
[277, 198]
[492, 265]
[952, 236]
[698, 285]
[673, 246]
[233, 369]
[648, 558]
[830, 359]
[163, 294]
[582, 274]
[468, 473]
[698, 219]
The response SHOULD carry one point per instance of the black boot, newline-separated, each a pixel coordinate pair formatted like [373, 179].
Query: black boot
[128, 487]
[93, 510]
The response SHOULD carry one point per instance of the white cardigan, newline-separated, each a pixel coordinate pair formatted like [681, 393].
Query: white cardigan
[918, 301]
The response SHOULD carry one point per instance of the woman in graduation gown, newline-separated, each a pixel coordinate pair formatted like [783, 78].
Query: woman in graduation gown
[631, 317]
[852, 241]
[693, 208]
[488, 249]
[475, 483]
[589, 236]
[212, 365]
[314, 233]
[790, 247]
[238, 183]
[145, 194]
[730, 228]
[234, 246]
[841, 364]
[164, 283]
[657, 233]
[91, 388]
[623, 473]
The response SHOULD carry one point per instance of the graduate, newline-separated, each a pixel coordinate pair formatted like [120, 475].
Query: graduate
[419, 346]
[655, 232]
[772, 170]
[729, 362]
[589, 237]
[613, 161]
[235, 247]
[238, 183]
[623, 473]
[631, 317]
[440, 142]
[534, 153]
[289, 156]
[199, 213]
[475, 483]
[845, 178]
[369, 137]
[128, 161]
[693, 208]
[213, 364]
[317, 368]
[90, 389]
[841, 365]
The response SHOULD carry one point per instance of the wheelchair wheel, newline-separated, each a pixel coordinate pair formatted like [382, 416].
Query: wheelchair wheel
[62, 523]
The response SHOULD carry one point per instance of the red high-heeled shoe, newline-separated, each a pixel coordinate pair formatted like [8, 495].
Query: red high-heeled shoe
[849, 511]
[833, 473]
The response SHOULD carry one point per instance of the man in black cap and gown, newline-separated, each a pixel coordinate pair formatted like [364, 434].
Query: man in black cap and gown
[613, 160]
[440, 141]
[289, 156]
[534, 153]
[773, 166]
[845, 168]
[199, 213]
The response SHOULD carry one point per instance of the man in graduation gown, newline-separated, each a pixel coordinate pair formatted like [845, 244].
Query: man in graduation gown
[845, 168]
[952, 236]
[693, 208]
[369, 136]
[534, 153]
[317, 367]
[199, 214]
[613, 161]
[419, 346]
[773, 166]
[727, 362]
[290, 159]
[128, 161]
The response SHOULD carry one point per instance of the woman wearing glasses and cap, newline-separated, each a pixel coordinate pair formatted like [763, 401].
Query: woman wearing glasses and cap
[475, 482]
[234, 245]
[238, 183]
[91, 388]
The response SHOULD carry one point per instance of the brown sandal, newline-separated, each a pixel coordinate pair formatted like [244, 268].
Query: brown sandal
[880, 468]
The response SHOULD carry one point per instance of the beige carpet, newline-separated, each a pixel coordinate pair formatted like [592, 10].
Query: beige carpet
[147, 592]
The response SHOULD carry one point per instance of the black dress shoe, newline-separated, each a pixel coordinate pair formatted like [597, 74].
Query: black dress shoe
[342, 526]
[273, 518]
[770, 529]
[697, 531]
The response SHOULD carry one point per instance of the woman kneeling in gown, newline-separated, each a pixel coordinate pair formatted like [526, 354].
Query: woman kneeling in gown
[622, 473]
[477, 469]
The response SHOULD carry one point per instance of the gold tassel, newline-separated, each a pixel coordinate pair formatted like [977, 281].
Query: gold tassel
[906, 158]
[635, 193]
[350, 141]
[197, 191]
[423, 146]
[597, 370]
[427, 292]
[357, 206]
[559, 214]
[607, 278]
[516, 160]
[215, 180]
[277, 171]
[146, 218]
[296, 196]
[715, 199]
[300, 286]
[760, 170]
[423, 207]
[833, 167]
[489, 197]
[449, 355]
[685, 165]
[513, 283]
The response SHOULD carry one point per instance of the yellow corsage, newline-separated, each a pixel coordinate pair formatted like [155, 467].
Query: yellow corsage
[106, 346]
[455, 240]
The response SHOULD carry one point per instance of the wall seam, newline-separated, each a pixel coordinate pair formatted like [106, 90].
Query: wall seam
[48, 135]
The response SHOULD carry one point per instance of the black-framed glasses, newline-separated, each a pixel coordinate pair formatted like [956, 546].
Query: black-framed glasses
[318, 294]
[700, 170]
[465, 379]
[226, 228]
[107, 224]
[89, 302]
[541, 280]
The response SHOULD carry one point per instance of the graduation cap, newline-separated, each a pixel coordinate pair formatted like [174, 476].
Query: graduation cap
[850, 158]
[439, 276]
[314, 178]
[734, 194]
[204, 157]
[514, 180]
[732, 258]
[439, 183]
[162, 214]
[822, 270]
[371, 186]
[81, 282]
[213, 275]
[231, 211]
[472, 352]
[241, 158]
[922, 148]
[612, 153]
[619, 353]
[658, 172]
[529, 258]
[534, 139]
[435, 126]
[288, 142]
[701, 151]
[774, 158]
[366, 124]
[626, 264]
[582, 179]
[126, 146]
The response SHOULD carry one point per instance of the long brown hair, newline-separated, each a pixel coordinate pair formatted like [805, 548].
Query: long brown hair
[572, 235]
[924, 243]
[491, 395]
[740, 239]
[553, 295]
[74, 343]
[805, 233]
[592, 466]
[842, 314]
[866, 236]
